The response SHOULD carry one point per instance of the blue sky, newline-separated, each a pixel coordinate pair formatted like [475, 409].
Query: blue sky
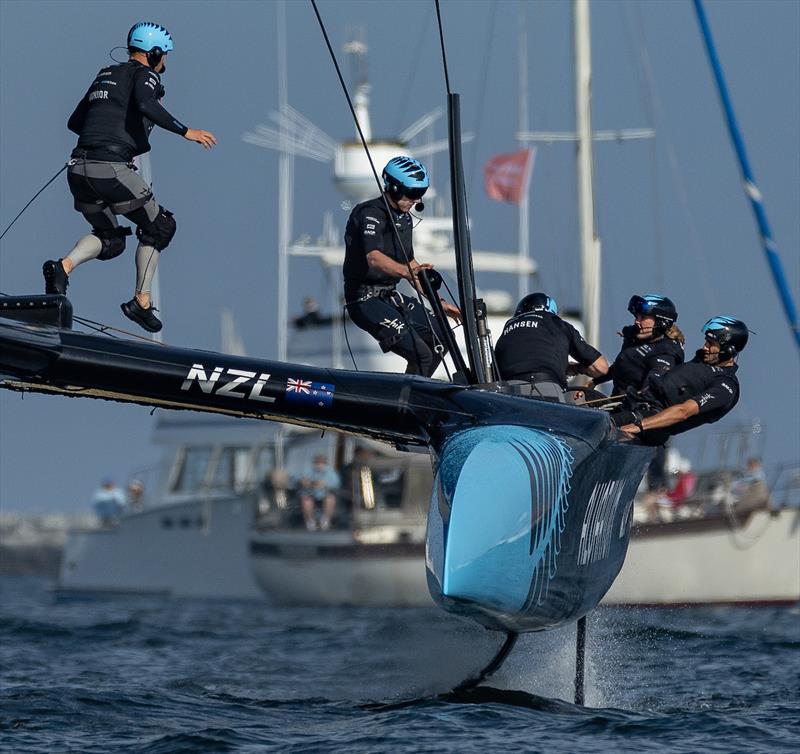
[671, 214]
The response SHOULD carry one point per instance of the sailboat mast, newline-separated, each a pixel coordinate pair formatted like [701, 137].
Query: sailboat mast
[590, 243]
[524, 205]
[285, 188]
[463, 246]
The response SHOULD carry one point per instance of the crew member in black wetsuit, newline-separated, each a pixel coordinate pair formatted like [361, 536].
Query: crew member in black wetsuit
[113, 122]
[533, 351]
[379, 253]
[699, 392]
[653, 344]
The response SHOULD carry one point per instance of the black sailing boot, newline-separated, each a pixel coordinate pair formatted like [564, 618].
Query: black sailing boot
[145, 318]
[56, 279]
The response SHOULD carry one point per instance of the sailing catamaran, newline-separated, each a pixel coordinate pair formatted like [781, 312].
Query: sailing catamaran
[538, 555]
[531, 506]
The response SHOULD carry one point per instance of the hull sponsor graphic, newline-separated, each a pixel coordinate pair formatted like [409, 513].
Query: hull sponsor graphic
[239, 383]
[549, 463]
[502, 495]
[308, 393]
[597, 523]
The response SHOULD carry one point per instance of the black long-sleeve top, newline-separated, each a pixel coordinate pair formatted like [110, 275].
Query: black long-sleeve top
[637, 360]
[114, 118]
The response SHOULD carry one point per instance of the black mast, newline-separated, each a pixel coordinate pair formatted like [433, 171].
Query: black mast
[463, 246]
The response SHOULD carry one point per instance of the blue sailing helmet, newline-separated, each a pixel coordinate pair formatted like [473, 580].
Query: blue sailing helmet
[148, 36]
[536, 302]
[405, 176]
[731, 334]
[659, 307]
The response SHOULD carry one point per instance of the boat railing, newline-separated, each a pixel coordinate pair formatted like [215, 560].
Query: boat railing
[784, 486]
[383, 492]
[717, 494]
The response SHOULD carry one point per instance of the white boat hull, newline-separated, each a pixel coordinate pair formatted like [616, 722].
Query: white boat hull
[331, 568]
[758, 563]
[192, 549]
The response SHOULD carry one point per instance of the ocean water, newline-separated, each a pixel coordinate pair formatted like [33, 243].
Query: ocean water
[133, 674]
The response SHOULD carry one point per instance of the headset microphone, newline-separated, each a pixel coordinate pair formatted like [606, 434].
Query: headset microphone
[419, 206]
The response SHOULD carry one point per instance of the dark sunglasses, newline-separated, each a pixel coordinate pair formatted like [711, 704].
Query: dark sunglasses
[412, 193]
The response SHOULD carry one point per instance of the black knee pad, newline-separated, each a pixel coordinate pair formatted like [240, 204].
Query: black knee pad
[112, 240]
[159, 232]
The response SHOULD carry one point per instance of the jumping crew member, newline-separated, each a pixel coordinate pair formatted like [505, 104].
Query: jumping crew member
[113, 122]
[653, 344]
[534, 348]
[375, 262]
[699, 392]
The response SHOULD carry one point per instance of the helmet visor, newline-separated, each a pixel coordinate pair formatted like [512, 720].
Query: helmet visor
[639, 306]
[412, 193]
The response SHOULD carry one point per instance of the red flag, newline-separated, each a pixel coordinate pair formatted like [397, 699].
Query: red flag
[506, 175]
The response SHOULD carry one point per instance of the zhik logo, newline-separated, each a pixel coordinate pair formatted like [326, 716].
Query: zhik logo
[394, 324]
[241, 377]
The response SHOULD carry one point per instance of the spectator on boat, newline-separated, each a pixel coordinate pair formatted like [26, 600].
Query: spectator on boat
[378, 254]
[665, 506]
[532, 353]
[685, 483]
[318, 487]
[113, 121]
[653, 344]
[135, 495]
[311, 316]
[698, 392]
[751, 488]
[108, 502]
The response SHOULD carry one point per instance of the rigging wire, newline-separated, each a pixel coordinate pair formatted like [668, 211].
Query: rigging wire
[66, 164]
[441, 42]
[108, 329]
[675, 168]
[415, 59]
[324, 31]
[632, 36]
[480, 357]
[479, 111]
[99, 327]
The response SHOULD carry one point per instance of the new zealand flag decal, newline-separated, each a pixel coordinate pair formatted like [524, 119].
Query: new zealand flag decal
[309, 393]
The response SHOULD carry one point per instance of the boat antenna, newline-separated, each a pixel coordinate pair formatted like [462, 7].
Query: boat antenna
[452, 347]
[473, 310]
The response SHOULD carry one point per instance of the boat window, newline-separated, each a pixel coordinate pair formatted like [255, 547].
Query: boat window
[233, 470]
[389, 488]
[192, 472]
